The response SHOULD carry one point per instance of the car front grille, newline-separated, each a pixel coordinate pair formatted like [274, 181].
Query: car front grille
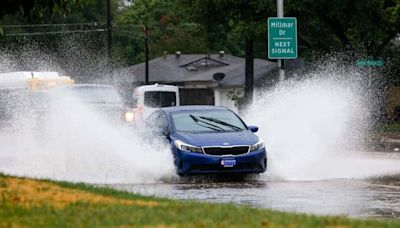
[219, 151]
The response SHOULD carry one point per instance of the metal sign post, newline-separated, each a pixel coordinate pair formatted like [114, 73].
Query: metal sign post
[146, 52]
[281, 62]
[109, 41]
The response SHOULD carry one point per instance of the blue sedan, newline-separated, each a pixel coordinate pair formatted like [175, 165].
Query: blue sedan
[209, 140]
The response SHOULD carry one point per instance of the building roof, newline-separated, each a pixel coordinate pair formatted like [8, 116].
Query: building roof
[194, 68]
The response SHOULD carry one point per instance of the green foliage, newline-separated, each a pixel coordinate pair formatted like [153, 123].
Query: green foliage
[236, 96]
[390, 128]
[356, 28]
[337, 25]
[169, 30]
[323, 26]
[42, 11]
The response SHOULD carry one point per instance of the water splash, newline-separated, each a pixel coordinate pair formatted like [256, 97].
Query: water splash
[76, 143]
[314, 128]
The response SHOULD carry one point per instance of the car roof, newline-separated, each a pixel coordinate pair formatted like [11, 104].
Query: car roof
[192, 108]
[157, 87]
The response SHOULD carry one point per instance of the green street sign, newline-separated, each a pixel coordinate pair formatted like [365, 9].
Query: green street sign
[370, 63]
[282, 38]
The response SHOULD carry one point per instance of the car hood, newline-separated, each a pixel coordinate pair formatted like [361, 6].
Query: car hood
[217, 138]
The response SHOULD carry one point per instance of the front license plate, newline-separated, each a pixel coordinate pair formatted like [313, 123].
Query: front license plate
[228, 163]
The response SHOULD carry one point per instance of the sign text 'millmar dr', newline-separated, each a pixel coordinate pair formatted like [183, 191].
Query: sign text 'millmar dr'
[282, 38]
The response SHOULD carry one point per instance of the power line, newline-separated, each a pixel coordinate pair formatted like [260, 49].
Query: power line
[53, 25]
[187, 26]
[55, 32]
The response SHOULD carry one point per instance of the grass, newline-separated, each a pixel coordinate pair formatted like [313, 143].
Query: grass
[44, 203]
[390, 128]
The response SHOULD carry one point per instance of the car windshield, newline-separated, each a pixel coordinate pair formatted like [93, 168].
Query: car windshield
[94, 94]
[206, 121]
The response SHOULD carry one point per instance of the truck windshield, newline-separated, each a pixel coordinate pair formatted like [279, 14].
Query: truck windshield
[159, 99]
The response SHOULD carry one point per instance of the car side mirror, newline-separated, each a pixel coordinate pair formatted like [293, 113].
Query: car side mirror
[253, 128]
[165, 132]
[162, 131]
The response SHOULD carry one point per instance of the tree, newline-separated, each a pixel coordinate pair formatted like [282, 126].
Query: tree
[70, 31]
[366, 25]
[247, 19]
[39, 10]
[168, 25]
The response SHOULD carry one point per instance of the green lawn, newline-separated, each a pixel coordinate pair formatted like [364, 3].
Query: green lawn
[43, 203]
[390, 128]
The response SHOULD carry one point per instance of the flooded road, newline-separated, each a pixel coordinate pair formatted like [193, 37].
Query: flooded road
[372, 198]
[377, 197]
[352, 187]
[343, 192]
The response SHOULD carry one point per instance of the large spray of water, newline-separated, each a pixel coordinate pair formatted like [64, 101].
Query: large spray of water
[315, 128]
[75, 142]
[78, 144]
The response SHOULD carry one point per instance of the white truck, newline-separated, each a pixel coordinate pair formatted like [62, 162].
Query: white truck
[150, 97]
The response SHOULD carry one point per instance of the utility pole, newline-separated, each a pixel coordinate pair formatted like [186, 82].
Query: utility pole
[146, 46]
[281, 62]
[109, 38]
[249, 71]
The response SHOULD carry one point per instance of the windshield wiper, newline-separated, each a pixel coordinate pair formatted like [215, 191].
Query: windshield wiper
[236, 128]
[210, 126]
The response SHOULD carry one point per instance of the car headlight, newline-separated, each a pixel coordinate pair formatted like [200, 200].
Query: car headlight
[186, 147]
[129, 116]
[259, 145]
